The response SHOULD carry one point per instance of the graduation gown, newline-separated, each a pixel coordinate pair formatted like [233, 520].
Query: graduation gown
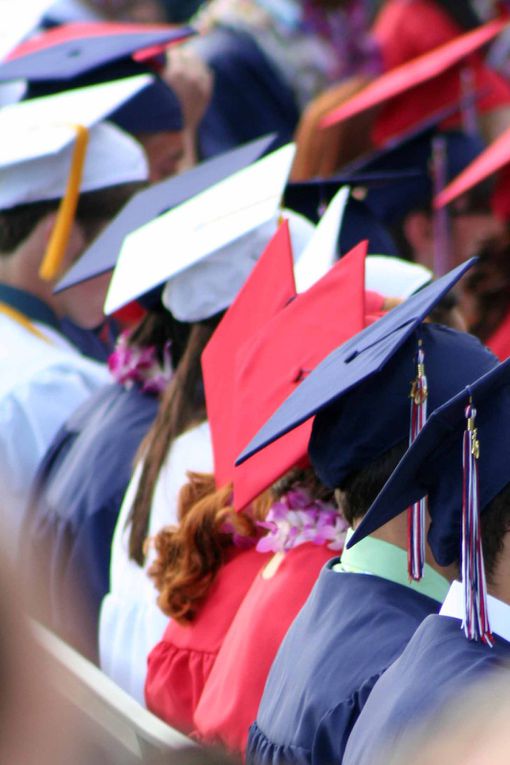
[181, 663]
[130, 622]
[232, 694]
[352, 627]
[43, 379]
[77, 497]
[438, 664]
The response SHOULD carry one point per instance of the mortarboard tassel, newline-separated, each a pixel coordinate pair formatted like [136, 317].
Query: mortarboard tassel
[57, 246]
[416, 513]
[476, 619]
[441, 222]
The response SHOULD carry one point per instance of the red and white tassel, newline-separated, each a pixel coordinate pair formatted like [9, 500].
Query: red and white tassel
[476, 619]
[416, 513]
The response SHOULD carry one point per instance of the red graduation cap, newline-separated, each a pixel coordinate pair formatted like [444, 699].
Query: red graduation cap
[268, 289]
[415, 72]
[271, 364]
[492, 159]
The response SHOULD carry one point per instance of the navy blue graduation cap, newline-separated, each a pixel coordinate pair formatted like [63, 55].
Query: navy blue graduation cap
[352, 363]
[102, 255]
[155, 109]
[360, 394]
[311, 198]
[461, 462]
[72, 50]
[78, 55]
[391, 204]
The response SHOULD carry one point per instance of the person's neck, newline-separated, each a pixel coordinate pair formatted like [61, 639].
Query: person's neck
[395, 533]
[15, 273]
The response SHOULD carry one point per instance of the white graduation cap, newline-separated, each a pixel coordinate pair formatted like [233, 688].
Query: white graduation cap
[57, 146]
[18, 18]
[322, 251]
[180, 239]
[212, 284]
[394, 277]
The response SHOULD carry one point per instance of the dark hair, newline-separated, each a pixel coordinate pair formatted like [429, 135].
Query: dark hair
[495, 523]
[489, 285]
[358, 491]
[94, 208]
[156, 329]
[182, 405]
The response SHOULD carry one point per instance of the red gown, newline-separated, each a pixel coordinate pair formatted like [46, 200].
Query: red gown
[231, 697]
[180, 663]
[405, 29]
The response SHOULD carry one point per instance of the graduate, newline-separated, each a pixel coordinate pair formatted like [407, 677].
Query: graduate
[360, 396]
[297, 510]
[43, 377]
[203, 282]
[460, 462]
[81, 54]
[84, 475]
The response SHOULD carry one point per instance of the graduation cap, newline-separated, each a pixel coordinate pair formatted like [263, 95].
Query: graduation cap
[461, 462]
[44, 63]
[312, 197]
[395, 277]
[273, 362]
[392, 203]
[56, 147]
[178, 240]
[210, 286]
[489, 161]
[362, 357]
[71, 50]
[268, 289]
[415, 72]
[343, 225]
[363, 388]
[146, 205]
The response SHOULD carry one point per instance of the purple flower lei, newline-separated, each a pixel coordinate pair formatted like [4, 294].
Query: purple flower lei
[129, 365]
[297, 518]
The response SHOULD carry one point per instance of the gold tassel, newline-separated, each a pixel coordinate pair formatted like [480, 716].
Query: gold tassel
[57, 246]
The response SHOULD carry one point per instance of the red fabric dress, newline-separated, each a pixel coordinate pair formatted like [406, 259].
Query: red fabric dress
[405, 29]
[231, 697]
[179, 665]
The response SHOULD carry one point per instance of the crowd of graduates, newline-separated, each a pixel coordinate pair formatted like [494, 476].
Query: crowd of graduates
[254, 375]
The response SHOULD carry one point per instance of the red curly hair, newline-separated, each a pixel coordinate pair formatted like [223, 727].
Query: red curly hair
[190, 555]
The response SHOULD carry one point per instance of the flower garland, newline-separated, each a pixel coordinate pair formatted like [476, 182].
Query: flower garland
[297, 518]
[130, 364]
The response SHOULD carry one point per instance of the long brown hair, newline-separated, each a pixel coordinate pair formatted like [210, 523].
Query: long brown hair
[190, 555]
[182, 406]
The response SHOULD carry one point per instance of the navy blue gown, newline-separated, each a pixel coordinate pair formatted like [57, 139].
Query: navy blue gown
[76, 501]
[250, 99]
[352, 627]
[437, 664]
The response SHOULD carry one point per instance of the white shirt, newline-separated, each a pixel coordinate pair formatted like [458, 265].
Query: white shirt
[41, 384]
[498, 611]
[130, 622]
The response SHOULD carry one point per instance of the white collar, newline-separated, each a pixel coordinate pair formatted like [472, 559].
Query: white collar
[499, 612]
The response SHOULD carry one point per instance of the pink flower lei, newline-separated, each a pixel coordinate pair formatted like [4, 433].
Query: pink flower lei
[297, 518]
[129, 365]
